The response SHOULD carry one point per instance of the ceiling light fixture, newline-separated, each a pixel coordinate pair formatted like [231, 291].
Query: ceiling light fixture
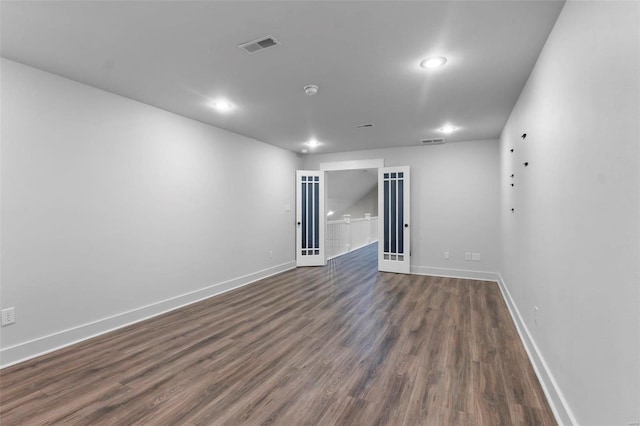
[433, 62]
[222, 106]
[311, 89]
[447, 128]
[312, 143]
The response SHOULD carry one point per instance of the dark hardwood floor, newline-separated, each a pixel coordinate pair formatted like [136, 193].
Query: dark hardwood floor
[339, 345]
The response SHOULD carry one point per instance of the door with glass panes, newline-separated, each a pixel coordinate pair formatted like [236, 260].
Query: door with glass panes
[310, 220]
[394, 249]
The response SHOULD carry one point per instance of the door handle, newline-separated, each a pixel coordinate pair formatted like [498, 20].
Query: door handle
[406, 225]
[299, 223]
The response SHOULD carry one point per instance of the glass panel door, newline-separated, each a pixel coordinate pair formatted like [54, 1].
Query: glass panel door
[310, 221]
[393, 205]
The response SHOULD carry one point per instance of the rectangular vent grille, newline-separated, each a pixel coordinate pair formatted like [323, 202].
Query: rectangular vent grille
[259, 44]
[437, 141]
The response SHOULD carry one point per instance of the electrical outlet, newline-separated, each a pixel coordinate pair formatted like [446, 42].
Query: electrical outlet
[535, 315]
[270, 254]
[446, 255]
[475, 257]
[8, 316]
[467, 256]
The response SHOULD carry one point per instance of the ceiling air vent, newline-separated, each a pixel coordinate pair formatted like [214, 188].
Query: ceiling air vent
[437, 141]
[259, 44]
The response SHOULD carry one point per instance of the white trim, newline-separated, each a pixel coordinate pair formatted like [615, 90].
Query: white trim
[455, 273]
[557, 401]
[351, 165]
[52, 342]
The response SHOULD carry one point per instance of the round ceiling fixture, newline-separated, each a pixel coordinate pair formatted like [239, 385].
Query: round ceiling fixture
[312, 143]
[222, 106]
[433, 62]
[448, 128]
[311, 89]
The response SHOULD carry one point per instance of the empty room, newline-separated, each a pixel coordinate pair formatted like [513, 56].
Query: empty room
[320, 212]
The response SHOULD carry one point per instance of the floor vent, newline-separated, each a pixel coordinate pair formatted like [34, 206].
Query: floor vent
[437, 141]
[259, 44]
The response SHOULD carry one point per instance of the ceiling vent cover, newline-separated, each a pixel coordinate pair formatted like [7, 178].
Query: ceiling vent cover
[259, 44]
[437, 141]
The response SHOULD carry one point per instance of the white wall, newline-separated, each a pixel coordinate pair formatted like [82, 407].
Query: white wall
[113, 210]
[572, 246]
[454, 203]
[367, 204]
[344, 188]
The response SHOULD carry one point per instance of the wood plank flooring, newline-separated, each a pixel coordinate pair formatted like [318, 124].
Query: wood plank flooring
[339, 345]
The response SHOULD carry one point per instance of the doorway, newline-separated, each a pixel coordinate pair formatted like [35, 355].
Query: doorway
[351, 210]
[393, 201]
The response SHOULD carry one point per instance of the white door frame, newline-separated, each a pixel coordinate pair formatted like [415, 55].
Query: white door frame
[375, 163]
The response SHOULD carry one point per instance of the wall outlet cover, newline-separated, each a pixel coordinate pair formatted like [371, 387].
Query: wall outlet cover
[8, 316]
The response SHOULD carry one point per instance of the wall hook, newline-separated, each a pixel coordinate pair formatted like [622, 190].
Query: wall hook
[524, 136]
[526, 163]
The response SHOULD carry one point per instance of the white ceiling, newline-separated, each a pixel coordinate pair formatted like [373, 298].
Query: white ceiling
[364, 55]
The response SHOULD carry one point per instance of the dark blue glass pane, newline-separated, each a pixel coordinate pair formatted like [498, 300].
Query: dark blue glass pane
[400, 215]
[386, 216]
[393, 175]
[400, 175]
[386, 175]
[304, 215]
[310, 211]
[394, 221]
[317, 179]
[316, 215]
[304, 178]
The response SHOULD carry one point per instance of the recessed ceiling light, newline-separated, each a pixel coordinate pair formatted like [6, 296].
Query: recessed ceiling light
[433, 62]
[304, 150]
[222, 105]
[312, 143]
[330, 213]
[448, 128]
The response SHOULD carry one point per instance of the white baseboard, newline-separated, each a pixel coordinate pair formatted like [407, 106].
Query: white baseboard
[559, 405]
[455, 273]
[40, 346]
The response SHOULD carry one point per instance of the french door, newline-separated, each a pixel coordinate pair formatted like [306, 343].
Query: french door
[394, 249]
[310, 220]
